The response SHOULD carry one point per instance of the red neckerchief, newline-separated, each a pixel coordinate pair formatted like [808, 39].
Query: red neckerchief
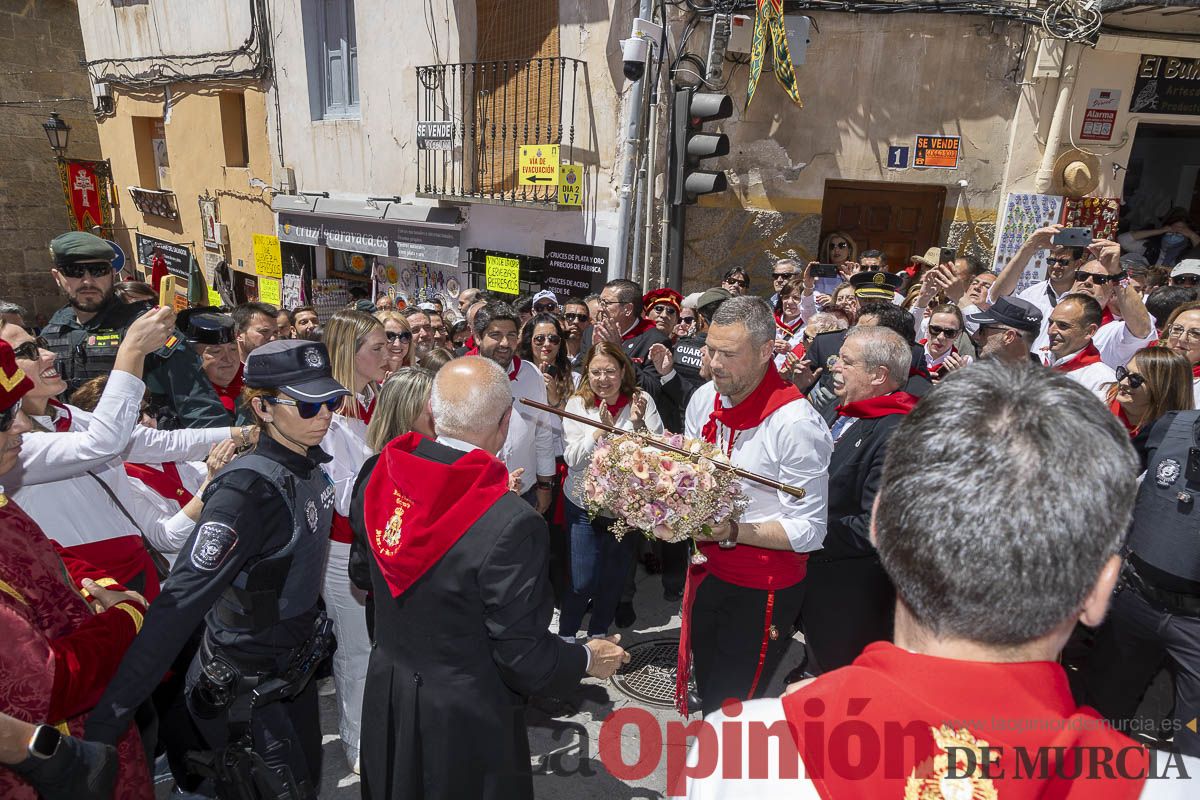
[416, 509]
[1120, 414]
[470, 345]
[641, 327]
[799, 350]
[1107, 317]
[941, 363]
[790, 330]
[1196, 370]
[513, 371]
[771, 394]
[229, 394]
[61, 414]
[165, 482]
[367, 411]
[882, 406]
[616, 407]
[887, 687]
[1086, 356]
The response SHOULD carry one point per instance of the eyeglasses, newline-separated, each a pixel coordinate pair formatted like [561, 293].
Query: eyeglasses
[575, 317]
[601, 374]
[1099, 280]
[545, 308]
[742, 282]
[306, 410]
[8, 416]
[606, 303]
[1062, 262]
[1185, 280]
[75, 271]
[663, 308]
[1135, 380]
[779, 276]
[398, 336]
[938, 330]
[1192, 335]
[542, 338]
[32, 350]
[839, 245]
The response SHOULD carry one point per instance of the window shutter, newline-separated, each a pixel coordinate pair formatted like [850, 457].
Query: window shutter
[334, 19]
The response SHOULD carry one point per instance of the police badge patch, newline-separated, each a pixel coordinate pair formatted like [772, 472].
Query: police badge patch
[1167, 472]
[312, 357]
[214, 542]
[310, 511]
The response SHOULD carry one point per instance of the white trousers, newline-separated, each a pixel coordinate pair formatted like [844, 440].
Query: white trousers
[346, 605]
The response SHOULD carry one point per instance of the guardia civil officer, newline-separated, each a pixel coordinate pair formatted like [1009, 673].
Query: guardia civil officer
[252, 570]
[1155, 613]
[86, 333]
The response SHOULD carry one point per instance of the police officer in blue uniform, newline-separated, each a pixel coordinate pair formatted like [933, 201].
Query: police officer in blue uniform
[252, 571]
[1154, 619]
[86, 333]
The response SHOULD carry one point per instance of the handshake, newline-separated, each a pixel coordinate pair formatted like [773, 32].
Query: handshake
[607, 656]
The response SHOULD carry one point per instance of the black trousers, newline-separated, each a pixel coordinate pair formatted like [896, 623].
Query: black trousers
[727, 629]
[287, 735]
[848, 603]
[1132, 644]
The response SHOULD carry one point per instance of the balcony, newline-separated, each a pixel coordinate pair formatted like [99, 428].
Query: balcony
[473, 118]
[158, 202]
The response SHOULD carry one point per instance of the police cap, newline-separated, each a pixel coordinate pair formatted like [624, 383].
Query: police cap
[210, 329]
[875, 285]
[297, 367]
[68, 248]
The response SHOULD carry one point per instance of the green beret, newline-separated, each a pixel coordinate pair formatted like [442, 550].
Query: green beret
[80, 246]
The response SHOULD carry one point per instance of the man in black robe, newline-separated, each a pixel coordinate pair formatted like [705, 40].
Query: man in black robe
[462, 605]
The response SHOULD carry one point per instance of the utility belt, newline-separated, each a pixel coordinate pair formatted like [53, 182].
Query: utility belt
[1180, 603]
[225, 687]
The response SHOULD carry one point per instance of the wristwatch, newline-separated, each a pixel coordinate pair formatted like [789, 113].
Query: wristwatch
[547, 485]
[44, 742]
[731, 542]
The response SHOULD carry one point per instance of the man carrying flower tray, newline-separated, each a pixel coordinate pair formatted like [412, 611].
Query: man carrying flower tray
[740, 601]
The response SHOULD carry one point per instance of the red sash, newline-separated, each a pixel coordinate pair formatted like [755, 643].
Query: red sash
[416, 509]
[165, 482]
[641, 327]
[904, 701]
[790, 330]
[1120, 414]
[1196, 370]
[340, 530]
[125, 558]
[61, 414]
[744, 565]
[882, 406]
[1086, 356]
[367, 411]
[1107, 317]
[229, 394]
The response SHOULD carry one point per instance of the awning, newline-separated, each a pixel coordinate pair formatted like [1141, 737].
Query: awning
[416, 233]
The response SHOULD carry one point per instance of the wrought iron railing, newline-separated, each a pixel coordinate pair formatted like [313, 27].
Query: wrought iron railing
[472, 120]
[159, 202]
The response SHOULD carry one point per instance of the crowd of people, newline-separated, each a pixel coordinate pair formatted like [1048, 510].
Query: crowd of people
[204, 511]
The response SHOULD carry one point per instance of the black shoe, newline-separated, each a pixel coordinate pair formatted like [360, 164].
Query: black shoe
[672, 595]
[694, 703]
[625, 616]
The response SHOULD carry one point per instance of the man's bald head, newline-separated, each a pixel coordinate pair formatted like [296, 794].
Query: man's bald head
[471, 401]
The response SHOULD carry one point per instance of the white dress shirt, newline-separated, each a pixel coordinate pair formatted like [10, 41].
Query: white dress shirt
[346, 444]
[1096, 377]
[530, 442]
[580, 439]
[791, 446]
[1196, 392]
[1117, 345]
[192, 475]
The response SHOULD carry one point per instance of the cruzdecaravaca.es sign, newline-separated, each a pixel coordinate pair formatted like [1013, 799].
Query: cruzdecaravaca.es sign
[1167, 85]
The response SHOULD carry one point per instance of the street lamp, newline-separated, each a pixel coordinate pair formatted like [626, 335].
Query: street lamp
[58, 132]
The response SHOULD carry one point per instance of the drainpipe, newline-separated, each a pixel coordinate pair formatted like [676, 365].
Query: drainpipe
[630, 149]
[1066, 85]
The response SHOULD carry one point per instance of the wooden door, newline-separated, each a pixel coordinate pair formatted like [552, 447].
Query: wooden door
[902, 220]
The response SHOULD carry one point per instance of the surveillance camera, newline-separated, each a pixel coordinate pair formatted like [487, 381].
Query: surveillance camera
[964, 183]
[634, 53]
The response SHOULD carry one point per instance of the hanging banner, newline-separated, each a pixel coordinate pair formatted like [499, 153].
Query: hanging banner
[1024, 214]
[85, 184]
[268, 291]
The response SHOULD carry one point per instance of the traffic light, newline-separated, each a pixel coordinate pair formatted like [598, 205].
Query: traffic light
[690, 144]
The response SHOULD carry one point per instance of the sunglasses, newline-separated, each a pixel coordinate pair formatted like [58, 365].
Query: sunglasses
[1135, 380]
[663, 308]
[738, 282]
[1062, 262]
[31, 351]
[938, 330]
[542, 338]
[1185, 280]
[8, 416]
[1099, 280]
[575, 317]
[839, 245]
[687, 320]
[76, 271]
[306, 410]
[545, 308]
[781, 275]
[398, 336]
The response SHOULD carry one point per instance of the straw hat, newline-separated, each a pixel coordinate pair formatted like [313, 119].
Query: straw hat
[1076, 173]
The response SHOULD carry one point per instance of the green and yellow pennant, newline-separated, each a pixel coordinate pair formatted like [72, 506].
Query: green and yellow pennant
[768, 26]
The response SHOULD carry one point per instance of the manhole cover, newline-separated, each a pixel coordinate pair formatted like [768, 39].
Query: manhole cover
[649, 677]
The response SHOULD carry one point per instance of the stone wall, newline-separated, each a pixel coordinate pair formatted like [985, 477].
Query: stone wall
[40, 51]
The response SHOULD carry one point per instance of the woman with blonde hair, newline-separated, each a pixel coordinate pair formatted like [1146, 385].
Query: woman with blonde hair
[403, 407]
[399, 339]
[357, 352]
[1156, 380]
[838, 248]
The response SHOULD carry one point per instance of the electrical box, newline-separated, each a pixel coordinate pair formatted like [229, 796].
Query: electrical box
[223, 234]
[741, 34]
[797, 27]
[1049, 58]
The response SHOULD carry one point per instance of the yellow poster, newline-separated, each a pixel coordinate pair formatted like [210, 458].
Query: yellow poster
[268, 291]
[502, 274]
[268, 262]
[570, 184]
